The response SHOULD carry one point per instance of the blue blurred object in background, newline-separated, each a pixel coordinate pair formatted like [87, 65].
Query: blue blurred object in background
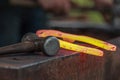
[15, 21]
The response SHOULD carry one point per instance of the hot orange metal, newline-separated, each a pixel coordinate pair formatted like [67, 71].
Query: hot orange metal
[79, 48]
[72, 38]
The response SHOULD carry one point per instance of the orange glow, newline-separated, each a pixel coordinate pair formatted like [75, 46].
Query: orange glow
[82, 49]
[72, 38]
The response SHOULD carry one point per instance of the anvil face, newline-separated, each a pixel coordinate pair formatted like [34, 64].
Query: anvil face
[67, 65]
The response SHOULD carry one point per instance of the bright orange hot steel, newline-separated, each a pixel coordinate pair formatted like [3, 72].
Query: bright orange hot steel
[72, 38]
[82, 49]
[78, 48]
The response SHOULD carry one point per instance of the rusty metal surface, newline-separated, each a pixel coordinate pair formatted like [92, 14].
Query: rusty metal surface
[112, 62]
[66, 65]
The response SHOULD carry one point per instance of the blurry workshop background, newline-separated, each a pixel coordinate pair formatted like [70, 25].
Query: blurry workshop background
[87, 18]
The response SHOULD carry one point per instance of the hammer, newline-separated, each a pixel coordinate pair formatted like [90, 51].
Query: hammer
[32, 43]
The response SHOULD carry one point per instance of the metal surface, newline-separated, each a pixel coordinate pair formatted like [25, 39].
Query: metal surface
[66, 65]
[112, 62]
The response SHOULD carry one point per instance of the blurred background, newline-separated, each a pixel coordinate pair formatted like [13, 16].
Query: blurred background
[96, 18]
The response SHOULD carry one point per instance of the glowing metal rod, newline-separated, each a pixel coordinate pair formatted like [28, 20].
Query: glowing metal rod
[79, 48]
[72, 38]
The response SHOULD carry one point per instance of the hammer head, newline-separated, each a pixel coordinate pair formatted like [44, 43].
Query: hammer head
[49, 45]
